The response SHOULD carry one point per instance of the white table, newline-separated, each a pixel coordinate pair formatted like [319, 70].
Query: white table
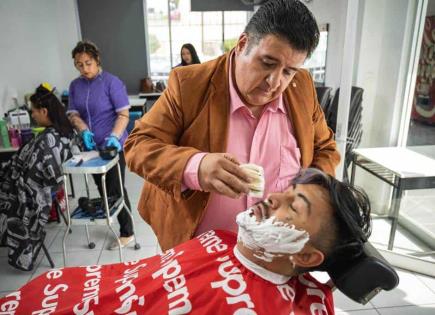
[400, 167]
[96, 166]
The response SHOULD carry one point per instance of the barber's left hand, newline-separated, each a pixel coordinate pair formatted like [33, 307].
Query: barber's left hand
[113, 141]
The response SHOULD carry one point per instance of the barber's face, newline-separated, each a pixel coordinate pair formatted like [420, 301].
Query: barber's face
[86, 65]
[304, 205]
[264, 71]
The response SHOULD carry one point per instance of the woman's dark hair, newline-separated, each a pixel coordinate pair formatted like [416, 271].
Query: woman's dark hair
[193, 53]
[287, 19]
[88, 47]
[44, 98]
[350, 226]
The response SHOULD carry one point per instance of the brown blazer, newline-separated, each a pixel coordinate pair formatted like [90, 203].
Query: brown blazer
[191, 116]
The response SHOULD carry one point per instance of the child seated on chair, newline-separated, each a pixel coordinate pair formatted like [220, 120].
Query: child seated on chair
[317, 223]
[28, 179]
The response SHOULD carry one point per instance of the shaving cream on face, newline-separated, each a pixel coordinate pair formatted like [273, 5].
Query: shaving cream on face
[269, 238]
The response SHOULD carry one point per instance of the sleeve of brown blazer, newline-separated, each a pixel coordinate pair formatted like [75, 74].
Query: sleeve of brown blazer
[326, 156]
[151, 150]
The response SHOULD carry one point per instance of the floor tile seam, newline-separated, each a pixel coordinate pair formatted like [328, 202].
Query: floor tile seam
[424, 283]
[405, 306]
[352, 309]
[102, 248]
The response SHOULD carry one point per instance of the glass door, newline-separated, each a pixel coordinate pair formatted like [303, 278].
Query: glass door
[419, 215]
[394, 65]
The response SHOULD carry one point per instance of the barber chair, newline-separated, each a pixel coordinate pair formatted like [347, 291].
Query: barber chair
[364, 277]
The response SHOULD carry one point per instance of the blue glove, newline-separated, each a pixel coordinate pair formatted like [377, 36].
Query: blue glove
[88, 140]
[113, 141]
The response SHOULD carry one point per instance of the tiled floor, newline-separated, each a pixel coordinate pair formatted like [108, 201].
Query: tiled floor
[414, 295]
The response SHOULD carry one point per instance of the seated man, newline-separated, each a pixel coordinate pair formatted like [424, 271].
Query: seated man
[261, 271]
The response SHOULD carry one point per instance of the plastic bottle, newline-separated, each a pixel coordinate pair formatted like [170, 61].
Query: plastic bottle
[26, 135]
[4, 134]
[15, 138]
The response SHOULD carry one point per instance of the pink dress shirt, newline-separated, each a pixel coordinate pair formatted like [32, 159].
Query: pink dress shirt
[267, 141]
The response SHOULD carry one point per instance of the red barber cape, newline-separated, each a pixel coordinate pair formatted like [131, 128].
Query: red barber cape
[201, 276]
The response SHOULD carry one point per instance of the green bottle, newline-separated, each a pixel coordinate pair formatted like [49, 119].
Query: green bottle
[4, 135]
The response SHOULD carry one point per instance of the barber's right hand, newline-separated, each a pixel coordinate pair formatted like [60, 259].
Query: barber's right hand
[220, 173]
[88, 140]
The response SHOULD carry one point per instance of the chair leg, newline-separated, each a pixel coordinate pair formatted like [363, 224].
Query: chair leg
[47, 254]
[57, 207]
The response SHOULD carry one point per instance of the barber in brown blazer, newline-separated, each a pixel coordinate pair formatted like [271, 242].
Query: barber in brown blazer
[252, 105]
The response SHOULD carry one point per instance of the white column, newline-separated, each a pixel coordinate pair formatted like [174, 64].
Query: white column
[346, 82]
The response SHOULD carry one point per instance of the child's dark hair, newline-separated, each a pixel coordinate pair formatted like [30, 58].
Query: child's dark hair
[44, 98]
[88, 47]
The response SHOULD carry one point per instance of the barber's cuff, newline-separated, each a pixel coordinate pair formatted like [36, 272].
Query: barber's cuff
[190, 176]
[114, 135]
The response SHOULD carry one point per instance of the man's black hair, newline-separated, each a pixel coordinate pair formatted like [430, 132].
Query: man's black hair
[287, 19]
[343, 236]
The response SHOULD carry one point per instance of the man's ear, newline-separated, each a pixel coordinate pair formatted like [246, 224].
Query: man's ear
[308, 257]
[242, 43]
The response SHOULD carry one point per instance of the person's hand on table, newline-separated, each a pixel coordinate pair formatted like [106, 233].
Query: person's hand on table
[88, 140]
[113, 141]
[221, 173]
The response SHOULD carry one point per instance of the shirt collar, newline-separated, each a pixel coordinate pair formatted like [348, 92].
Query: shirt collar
[236, 102]
[270, 276]
[99, 75]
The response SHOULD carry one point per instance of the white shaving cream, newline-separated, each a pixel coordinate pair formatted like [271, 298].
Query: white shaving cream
[269, 238]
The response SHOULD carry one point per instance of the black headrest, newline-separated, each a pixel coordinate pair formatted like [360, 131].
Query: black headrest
[362, 278]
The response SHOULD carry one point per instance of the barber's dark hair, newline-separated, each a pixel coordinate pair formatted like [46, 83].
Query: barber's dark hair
[195, 58]
[44, 98]
[344, 235]
[88, 47]
[287, 19]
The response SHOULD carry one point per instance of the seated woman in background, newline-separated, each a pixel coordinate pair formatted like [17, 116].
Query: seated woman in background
[188, 55]
[29, 178]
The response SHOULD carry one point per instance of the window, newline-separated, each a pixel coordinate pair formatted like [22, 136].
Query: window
[316, 64]
[211, 33]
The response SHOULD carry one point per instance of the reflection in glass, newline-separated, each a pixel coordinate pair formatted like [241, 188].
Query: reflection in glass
[422, 124]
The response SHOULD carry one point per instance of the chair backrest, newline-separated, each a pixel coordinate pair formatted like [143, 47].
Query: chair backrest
[324, 95]
[365, 277]
[355, 103]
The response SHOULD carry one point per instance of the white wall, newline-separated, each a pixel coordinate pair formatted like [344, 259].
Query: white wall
[332, 12]
[384, 47]
[36, 41]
